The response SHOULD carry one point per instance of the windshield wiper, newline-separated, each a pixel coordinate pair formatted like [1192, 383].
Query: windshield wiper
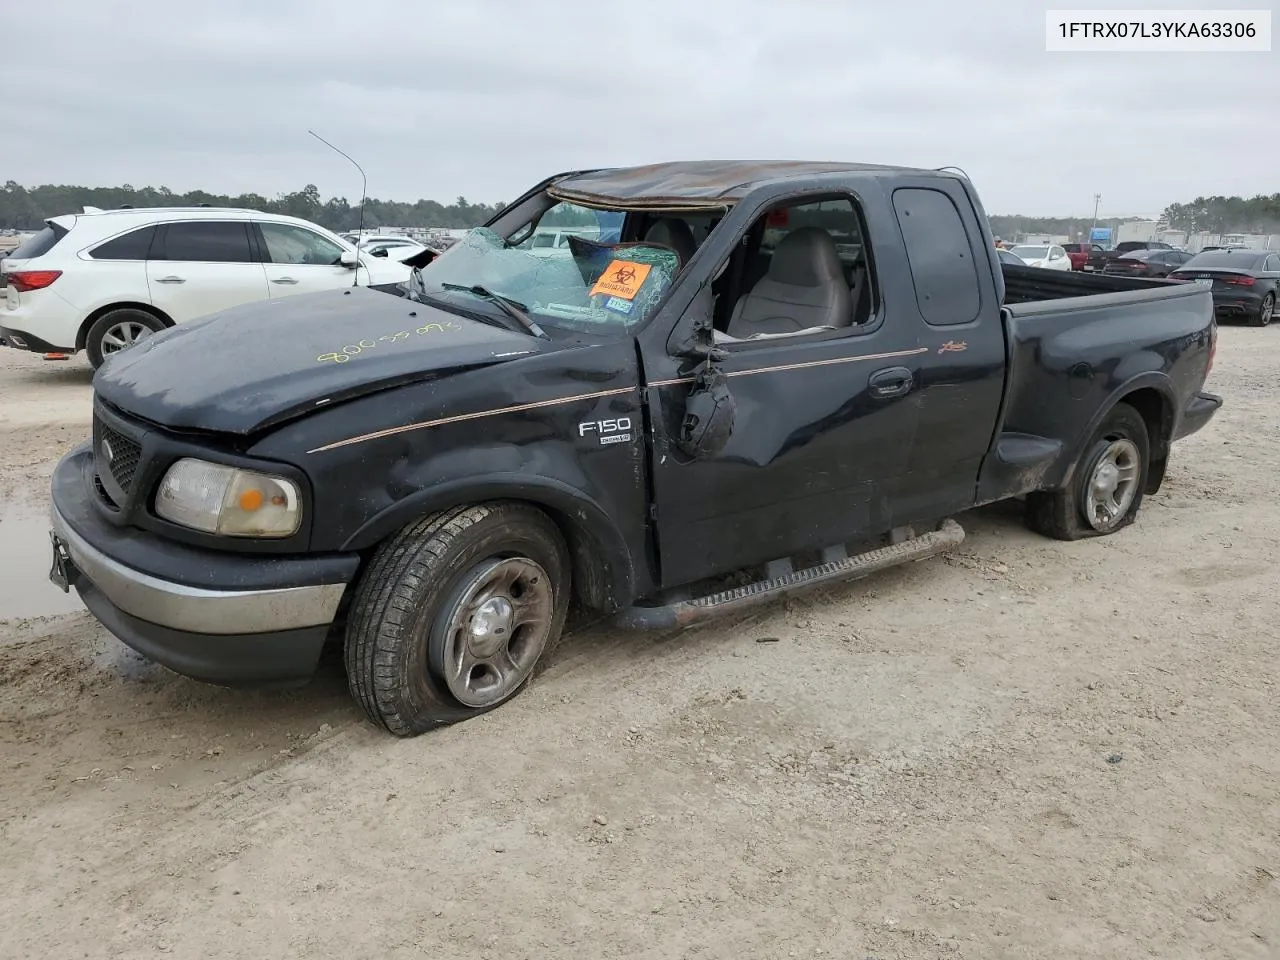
[512, 308]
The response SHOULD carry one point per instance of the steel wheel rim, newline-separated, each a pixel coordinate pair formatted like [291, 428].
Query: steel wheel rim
[1113, 485]
[490, 635]
[123, 335]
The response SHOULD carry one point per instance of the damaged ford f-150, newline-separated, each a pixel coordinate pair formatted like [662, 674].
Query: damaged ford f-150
[775, 376]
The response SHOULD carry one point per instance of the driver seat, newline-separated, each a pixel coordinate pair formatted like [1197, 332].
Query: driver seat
[803, 288]
[673, 233]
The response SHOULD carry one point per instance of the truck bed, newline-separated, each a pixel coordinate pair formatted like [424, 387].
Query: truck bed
[1074, 340]
[1032, 284]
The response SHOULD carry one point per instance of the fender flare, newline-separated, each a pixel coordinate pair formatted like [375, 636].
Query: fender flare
[603, 572]
[1150, 380]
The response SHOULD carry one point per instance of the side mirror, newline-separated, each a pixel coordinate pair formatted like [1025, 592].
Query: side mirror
[709, 415]
[380, 252]
[348, 259]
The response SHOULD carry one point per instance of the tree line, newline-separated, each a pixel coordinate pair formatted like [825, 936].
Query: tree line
[1260, 214]
[27, 208]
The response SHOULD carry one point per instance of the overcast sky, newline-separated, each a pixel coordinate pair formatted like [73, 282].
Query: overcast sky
[481, 98]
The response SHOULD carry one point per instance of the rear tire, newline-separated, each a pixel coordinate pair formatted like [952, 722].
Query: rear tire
[1106, 489]
[118, 330]
[453, 613]
[1266, 311]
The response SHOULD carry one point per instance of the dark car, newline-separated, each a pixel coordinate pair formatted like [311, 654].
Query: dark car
[1146, 263]
[1246, 283]
[679, 425]
[1079, 253]
[1097, 260]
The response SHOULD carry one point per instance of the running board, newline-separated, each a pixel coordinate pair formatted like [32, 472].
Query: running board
[680, 613]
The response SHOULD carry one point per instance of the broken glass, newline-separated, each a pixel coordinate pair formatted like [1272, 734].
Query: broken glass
[584, 285]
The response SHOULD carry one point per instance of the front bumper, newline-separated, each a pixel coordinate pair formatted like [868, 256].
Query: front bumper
[232, 619]
[1198, 411]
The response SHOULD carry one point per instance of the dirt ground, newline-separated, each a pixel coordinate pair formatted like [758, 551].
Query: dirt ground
[1029, 749]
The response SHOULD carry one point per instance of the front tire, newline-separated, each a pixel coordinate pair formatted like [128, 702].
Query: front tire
[1107, 488]
[118, 330]
[453, 613]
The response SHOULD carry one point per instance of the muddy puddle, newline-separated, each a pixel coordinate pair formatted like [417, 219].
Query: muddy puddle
[25, 558]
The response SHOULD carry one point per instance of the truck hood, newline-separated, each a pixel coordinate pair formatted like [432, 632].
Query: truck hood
[261, 364]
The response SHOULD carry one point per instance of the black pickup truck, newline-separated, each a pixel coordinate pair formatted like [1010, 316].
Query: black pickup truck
[777, 376]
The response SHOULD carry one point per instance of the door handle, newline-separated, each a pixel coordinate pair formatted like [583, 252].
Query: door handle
[891, 382]
[170, 280]
[284, 280]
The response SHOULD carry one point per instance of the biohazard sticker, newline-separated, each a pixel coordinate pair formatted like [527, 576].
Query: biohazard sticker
[622, 278]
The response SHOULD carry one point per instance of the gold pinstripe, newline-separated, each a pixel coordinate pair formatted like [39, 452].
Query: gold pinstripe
[800, 366]
[427, 424]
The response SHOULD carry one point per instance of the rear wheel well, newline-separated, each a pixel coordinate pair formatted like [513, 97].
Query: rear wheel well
[1157, 413]
[92, 318]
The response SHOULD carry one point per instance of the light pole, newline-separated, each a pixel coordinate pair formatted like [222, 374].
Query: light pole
[1097, 198]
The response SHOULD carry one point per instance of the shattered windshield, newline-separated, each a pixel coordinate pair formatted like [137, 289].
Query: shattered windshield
[587, 285]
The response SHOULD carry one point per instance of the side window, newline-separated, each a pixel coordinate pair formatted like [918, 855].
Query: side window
[131, 246]
[939, 255]
[205, 241]
[287, 243]
[802, 269]
[1271, 264]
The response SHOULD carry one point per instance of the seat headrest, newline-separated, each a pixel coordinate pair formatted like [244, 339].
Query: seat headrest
[806, 257]
[675, 234]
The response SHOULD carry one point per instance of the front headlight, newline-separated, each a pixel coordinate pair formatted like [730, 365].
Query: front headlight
[229, 501]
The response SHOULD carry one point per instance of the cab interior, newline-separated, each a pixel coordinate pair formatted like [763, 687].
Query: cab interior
[801, 268]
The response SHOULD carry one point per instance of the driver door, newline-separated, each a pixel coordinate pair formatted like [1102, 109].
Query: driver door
[824, 423]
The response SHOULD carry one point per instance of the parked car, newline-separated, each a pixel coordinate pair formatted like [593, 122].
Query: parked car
[1245, 283]
[359, 239]
[102, 280]
[808, 394]
[1146, 263]
[1079, 253]
[1097, 261]
[1009, 257]
[1049, 256]
[399, 250]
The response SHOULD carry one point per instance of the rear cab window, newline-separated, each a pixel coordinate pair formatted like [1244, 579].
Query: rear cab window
[939, 255]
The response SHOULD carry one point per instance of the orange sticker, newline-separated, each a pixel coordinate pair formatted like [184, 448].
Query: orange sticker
[622, 278]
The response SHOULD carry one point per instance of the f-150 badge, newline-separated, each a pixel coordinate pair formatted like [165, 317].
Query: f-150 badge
[608, 431]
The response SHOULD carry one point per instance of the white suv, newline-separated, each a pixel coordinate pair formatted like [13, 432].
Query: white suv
[101, 280]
